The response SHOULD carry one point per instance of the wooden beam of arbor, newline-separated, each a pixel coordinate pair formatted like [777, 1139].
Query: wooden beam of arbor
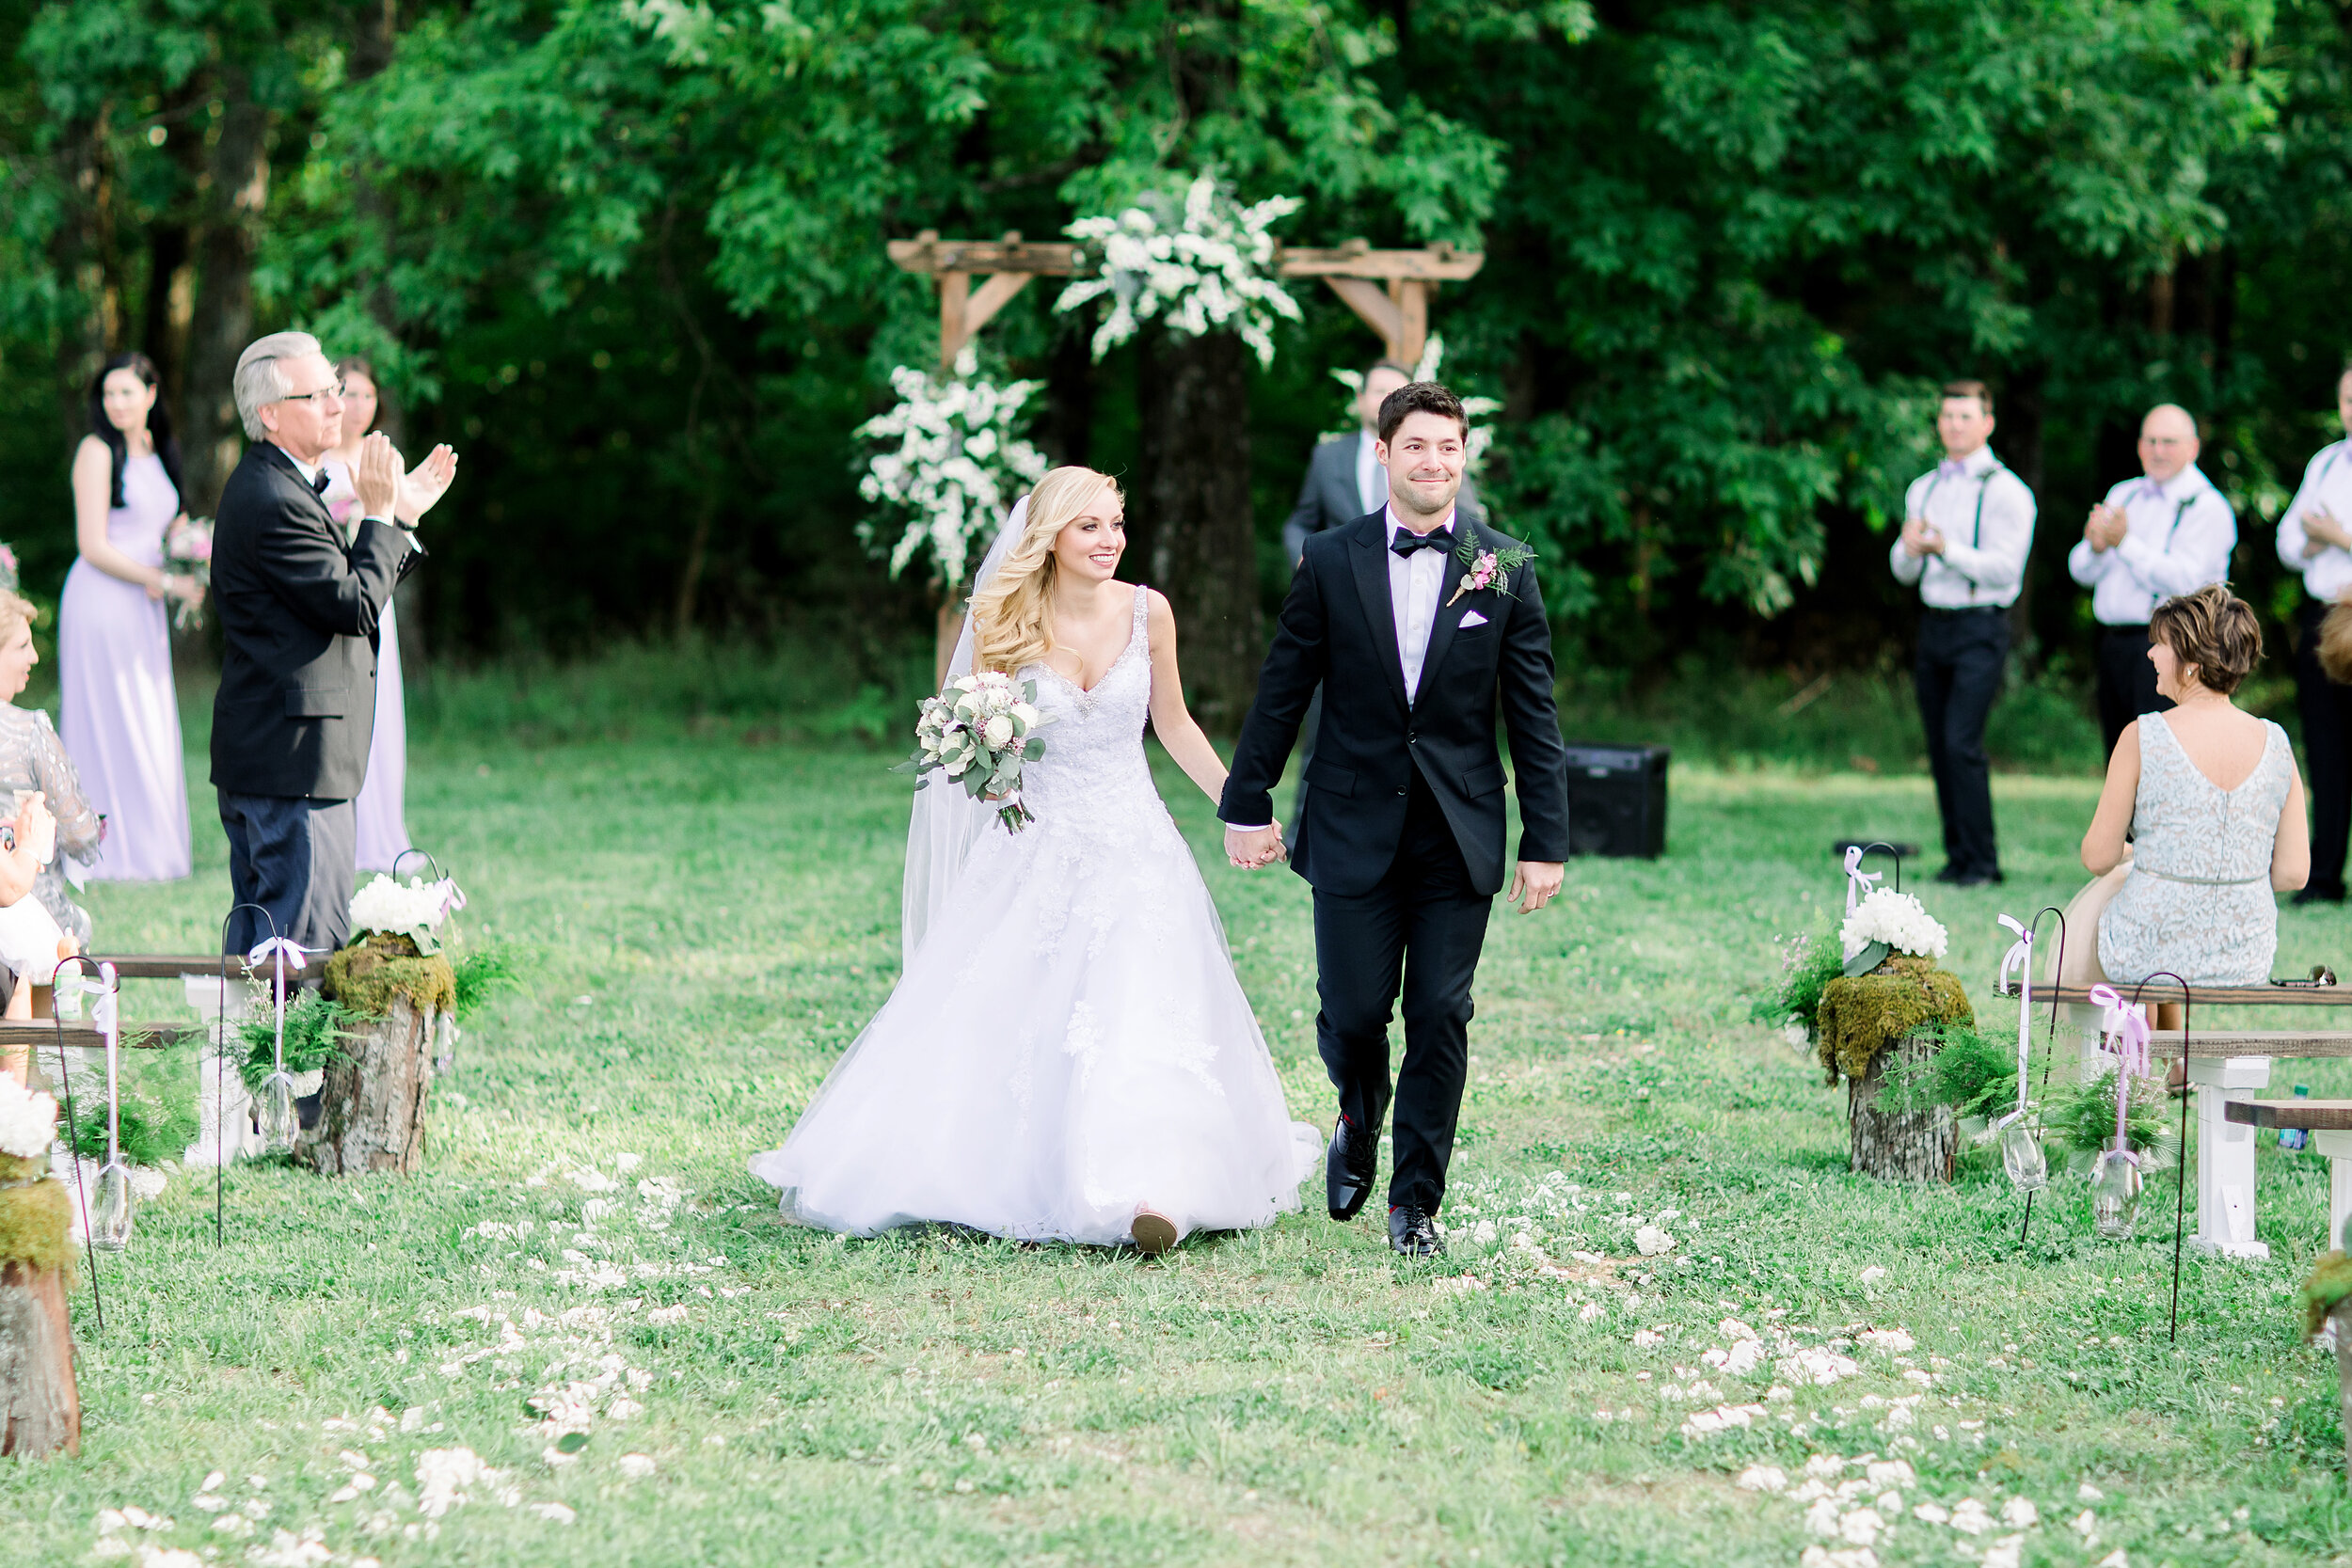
[1399, 311]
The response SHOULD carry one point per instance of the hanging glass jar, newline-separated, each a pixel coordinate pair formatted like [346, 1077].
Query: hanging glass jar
[2115, 1193]
[110, 1219]
[2022, 1154]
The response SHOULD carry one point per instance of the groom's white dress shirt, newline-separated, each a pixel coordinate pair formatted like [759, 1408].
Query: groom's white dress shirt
[1985, 513]
[1414, 582]
[2182, 534]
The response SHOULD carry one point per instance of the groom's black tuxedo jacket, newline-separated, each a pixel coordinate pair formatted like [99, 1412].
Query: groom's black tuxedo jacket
[298, 609]
[1338, 630]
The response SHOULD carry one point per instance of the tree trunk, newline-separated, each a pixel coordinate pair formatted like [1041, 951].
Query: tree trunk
[1193, 489]
[372, 1104]
[1900, 1146]
[43, 1407]
[236, 192]
[73, 259]
[2339, 1319]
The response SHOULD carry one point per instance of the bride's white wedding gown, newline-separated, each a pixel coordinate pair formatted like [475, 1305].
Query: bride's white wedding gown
[1069, 1039]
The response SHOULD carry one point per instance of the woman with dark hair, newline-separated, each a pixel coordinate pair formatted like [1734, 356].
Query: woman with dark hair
[122, 717]
[381, 808]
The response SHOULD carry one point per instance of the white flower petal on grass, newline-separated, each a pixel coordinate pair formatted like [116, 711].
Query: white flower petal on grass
[1890, 1472]
[2020, 1514]
[2087, 1493]
[2085, 1523]
[1933, 1514]
[636, 1467]
[1873, 1272]
[1969, 1517]
[1892, 1340]
[1861, 1527]
[2115, 1559]
[1651, 1242]
[666, 1316]
[554, 1513]
[1762, 1478]
[2004, 1553]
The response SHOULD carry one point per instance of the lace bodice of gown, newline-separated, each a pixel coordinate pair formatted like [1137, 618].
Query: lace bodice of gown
[1094, 746]
[2198, 901]
[31, 758]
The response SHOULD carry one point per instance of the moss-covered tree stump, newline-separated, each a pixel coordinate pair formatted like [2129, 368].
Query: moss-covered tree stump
[1867, 1021]
[40, 1408]
[1899, 1146]
[372, 1103]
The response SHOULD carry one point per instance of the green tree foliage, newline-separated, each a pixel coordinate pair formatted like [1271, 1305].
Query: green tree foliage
[629, 257]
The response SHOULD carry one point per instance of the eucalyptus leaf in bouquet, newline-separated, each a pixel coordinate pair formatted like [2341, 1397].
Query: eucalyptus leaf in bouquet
[980, 731]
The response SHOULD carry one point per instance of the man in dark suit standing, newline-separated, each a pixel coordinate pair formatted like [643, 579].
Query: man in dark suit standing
[1435, 625]
[1345, 480]
[298, 600]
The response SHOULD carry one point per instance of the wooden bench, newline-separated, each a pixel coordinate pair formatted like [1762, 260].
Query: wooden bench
[2226, 1066]
[2330, 1123]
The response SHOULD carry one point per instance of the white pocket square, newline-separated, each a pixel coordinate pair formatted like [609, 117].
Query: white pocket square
[1471, 618]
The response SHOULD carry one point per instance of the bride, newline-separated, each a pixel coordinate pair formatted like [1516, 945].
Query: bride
[1068, 1055]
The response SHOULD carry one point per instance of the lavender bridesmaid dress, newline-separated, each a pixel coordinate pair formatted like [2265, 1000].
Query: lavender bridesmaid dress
[382, 805]
[121, 718]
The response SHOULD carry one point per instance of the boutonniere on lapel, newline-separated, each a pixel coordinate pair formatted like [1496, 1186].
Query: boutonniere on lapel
[1487, 568]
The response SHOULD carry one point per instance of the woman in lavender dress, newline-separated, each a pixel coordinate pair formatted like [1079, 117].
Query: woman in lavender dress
[122, 717]
[381, 809]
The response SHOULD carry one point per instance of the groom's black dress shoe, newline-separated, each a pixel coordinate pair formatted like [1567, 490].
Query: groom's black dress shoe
[1414, 1233]
[1348, 1169]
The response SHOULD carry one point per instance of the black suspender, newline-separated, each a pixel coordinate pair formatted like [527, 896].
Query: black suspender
[1975, 533]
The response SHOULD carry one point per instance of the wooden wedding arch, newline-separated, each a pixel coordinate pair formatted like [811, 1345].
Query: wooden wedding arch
[1389, 289]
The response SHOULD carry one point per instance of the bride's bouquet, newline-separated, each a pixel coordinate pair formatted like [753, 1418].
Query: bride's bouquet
[980, 731]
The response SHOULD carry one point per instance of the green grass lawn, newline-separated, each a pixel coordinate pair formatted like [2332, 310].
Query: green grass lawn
[714, 920]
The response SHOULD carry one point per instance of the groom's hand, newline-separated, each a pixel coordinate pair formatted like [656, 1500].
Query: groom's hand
[1252, 848]
[1533, 883]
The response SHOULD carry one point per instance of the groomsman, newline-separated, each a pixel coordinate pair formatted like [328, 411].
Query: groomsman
[2167, 534]
[2316, 543]
[1346, 481]
[1967, 529]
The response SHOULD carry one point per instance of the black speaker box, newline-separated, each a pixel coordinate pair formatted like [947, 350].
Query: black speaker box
[1617, 800]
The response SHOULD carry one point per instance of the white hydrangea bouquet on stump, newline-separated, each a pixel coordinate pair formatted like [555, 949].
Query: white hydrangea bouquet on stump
[980, 731]
[1887, 921]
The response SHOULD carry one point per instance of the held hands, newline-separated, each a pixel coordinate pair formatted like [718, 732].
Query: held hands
[2105, 527]
[1535, 883]
[1252, 848]
[377, 476]
[2321, 529]
[1920, 538]
[35, 827]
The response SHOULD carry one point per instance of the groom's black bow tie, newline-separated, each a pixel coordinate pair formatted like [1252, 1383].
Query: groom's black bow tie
[1406, 542]
[318, 482]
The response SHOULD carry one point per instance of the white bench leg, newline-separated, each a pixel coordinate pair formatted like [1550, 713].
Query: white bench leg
[2337, 1147]
[2225, 1155]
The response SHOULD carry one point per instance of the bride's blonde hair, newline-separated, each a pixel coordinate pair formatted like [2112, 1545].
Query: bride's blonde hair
[1013, 617]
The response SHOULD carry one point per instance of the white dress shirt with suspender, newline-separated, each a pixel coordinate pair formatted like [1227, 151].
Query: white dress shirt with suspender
[2182, 534]
[1985, 514]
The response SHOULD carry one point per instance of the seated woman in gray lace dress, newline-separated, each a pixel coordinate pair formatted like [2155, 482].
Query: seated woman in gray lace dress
[2215, 806]
[33, 759]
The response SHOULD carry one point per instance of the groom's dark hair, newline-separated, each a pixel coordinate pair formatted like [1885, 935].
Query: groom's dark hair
[1419, 397]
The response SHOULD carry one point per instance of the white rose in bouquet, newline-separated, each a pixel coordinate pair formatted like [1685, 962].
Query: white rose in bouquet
[1898, 920]
[415, 911]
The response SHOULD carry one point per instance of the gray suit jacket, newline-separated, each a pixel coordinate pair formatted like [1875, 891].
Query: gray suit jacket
[1328, 497]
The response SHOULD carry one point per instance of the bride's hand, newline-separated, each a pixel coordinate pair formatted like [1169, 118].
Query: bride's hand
[1251, 848]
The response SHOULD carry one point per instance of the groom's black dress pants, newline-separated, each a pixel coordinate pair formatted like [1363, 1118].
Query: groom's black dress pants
[1424, 924]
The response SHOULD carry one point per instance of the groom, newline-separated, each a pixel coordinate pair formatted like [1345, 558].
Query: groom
[1401, 837]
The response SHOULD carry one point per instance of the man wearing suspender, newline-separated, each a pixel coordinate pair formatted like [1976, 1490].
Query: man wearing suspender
[2316, 543]
[1967, 529]
[2167, 534]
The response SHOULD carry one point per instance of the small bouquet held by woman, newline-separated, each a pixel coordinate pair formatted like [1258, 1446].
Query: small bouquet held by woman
[979, 730]
[188, 550]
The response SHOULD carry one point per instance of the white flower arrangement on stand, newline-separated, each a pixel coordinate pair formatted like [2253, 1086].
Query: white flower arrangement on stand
[28, 1121]
[958, 461]
[1212, 271]
[414, 910]
[1887, 921]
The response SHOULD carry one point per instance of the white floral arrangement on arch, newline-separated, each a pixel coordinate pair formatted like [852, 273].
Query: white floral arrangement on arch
[414, 910]
[958, 463]
[1885, 922]
[1211, 271]
[1431, 356]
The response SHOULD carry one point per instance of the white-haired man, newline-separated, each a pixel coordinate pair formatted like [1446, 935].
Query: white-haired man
[2154, 538]
[298, 600]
